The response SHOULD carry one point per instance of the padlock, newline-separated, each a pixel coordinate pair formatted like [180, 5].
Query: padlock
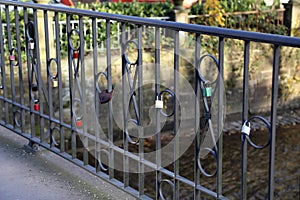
[159, 104]
[31, 45]
[105, 96]
[12, 57]
[78, 123]
[34, 88]
[207, 91]
[36, 106]
[246, 129]
[76, 55]
[54, 83]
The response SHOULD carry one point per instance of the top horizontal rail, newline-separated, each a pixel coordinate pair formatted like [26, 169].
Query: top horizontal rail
[209, 30]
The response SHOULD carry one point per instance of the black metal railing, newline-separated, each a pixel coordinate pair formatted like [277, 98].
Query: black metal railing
[147, 127]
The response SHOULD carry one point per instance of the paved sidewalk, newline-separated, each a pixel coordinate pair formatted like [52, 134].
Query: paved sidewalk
[26, 175]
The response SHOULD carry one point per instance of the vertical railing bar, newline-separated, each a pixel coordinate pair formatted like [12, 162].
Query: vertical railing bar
[83, 90]
[125, 103]
[141, 107]
[244, 118]
[110, 105]
[59, 74]
[3, 71]
[158, 126]
[220, 117]
[11, 66]
[21, 86]
[176, 114]
[48, 76]
[96, 99]
[73, 133]
[273, 120]
[196, 116]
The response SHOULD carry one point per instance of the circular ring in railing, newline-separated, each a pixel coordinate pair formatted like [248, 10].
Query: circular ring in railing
[201, 76]
[30, 30]
[130, 45]
[100, 163]
[166, 181]
[202, 170]
[161, 94]
[269, 129]
[99, 80]
[75, 33]
[52, 74]
[17, 118]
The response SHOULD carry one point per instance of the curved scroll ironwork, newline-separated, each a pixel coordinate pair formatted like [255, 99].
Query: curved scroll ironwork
[202, 170]
[52, 76]
[170, 92]
[160, 191]
[33, 78]
[99, 161]
[207, 101]
[132, 81]
[17, 118]
[248, 136]
[77, 90]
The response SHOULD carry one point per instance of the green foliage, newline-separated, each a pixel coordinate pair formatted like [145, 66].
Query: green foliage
[140, 9]
[265, 22]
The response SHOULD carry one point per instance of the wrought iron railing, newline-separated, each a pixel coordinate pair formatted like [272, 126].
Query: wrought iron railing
[146, 126]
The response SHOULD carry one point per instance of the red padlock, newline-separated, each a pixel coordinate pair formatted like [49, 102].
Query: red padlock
[78, 123]
[12, 57]
[76, 54]
[36, 107]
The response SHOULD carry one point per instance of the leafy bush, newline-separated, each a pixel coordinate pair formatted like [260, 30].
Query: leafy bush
[216, 12]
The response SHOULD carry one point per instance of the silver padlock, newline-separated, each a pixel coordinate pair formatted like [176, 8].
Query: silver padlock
[246, 129]
[31, 45]
[54, 83]
[159, 104]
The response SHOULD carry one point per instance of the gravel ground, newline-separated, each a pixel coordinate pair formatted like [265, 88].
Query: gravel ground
[27, 175]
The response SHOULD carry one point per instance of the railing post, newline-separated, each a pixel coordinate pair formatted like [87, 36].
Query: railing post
[292, 17]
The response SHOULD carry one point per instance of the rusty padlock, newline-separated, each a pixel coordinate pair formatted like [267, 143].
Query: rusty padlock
[105, 96]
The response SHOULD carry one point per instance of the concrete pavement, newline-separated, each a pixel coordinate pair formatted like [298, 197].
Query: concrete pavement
[27, 175]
